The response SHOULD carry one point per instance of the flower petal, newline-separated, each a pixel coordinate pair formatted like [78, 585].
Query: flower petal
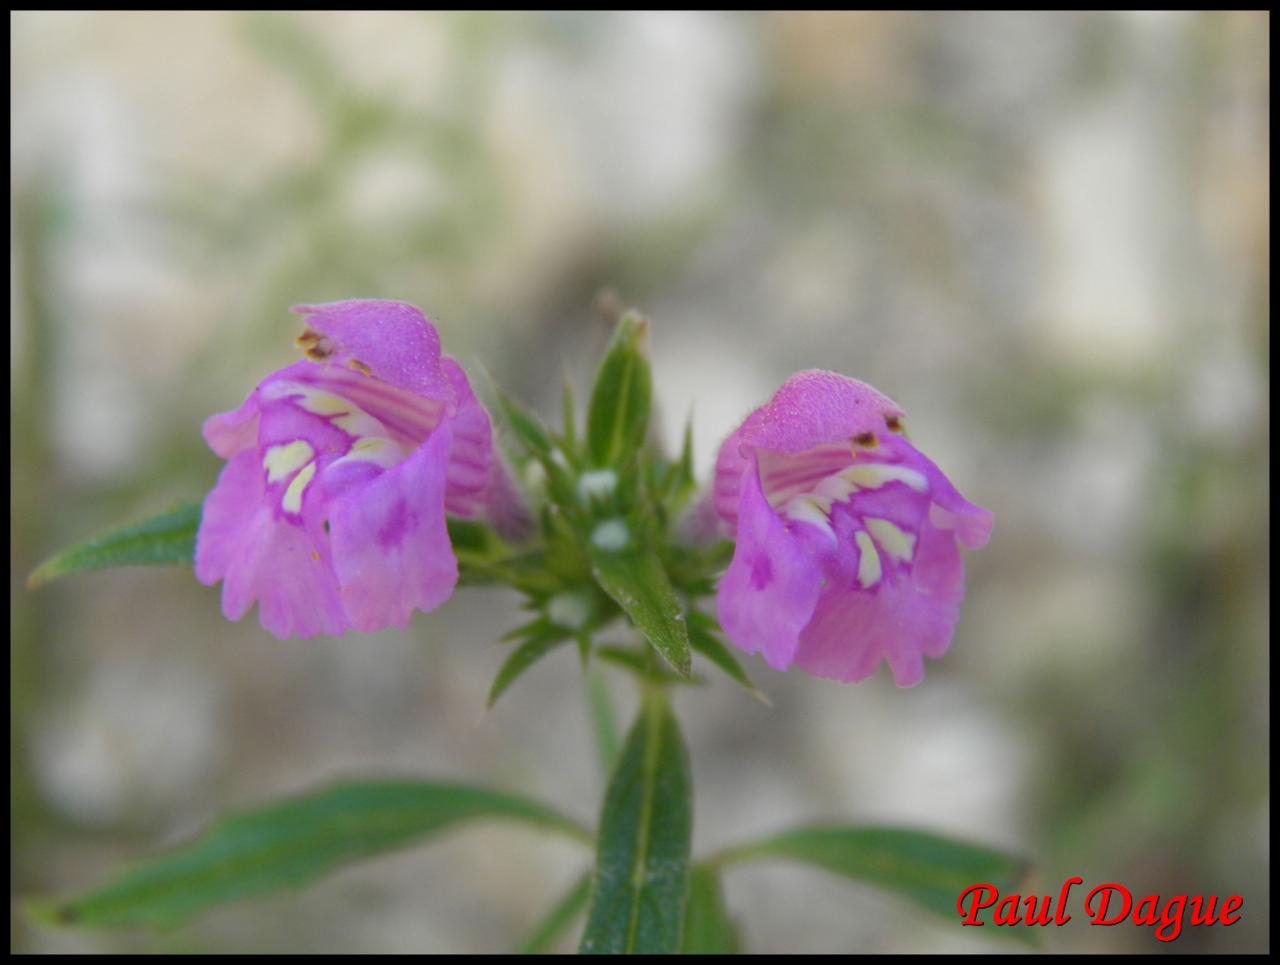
[771, 587]
[950, 511]
[901, 621]
[392, 340]
[230, 433]
[811, 410]
[471, 456]
[391, 549]
[264, 558]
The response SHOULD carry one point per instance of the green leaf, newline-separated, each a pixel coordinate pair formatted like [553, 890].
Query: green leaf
[561, 917]
[524, 657]
[538, 625]
[643, 665]
[703, 639]
[472, 539]
[618, 414]
[167, 538]
[568, 416]
[674, 482]
[927, 869]
[526, 426]
[642, 859]
[708, 929]
[289, 844]
[637, 582]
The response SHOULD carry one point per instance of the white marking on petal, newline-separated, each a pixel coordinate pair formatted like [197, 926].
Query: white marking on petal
[359, 423]
[282, 461]
[898, 544]
[375, 449]
[835, 488]
[611, 535]
[343, 413]
[811, 509]
[875, 474]
[868, 560]
[324, 403]
[292, 501]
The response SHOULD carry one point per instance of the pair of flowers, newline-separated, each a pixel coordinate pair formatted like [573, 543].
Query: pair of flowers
[330, 512]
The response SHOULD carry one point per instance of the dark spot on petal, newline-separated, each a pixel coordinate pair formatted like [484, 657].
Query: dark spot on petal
[893, 423]
[761, 572]
[326, 526]
[360, 367]
[867, 440]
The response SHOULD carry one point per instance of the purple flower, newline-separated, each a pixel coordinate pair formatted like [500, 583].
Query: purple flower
[330, 511]
[847, 537]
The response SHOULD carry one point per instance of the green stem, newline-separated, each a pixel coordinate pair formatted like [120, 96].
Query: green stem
[603, 721]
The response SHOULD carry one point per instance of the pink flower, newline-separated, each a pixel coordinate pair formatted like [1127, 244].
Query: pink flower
[330, 511]
[847, 537]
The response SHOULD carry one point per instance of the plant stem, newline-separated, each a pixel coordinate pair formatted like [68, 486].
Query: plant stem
[603, 720]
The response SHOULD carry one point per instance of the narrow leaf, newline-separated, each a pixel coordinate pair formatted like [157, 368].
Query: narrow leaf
[703, 639]
[618, 414]
[289, 844]
[535, 627]
[642, 859]
[708, 929]
[167, 538]
[560, 918]
[927, 869]
[526, 426]
[643, 665]
[637, 583]
[568, 416]
[475, 542]
[524, 657]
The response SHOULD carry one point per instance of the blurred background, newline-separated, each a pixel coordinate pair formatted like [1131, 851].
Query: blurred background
[1045, 235]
